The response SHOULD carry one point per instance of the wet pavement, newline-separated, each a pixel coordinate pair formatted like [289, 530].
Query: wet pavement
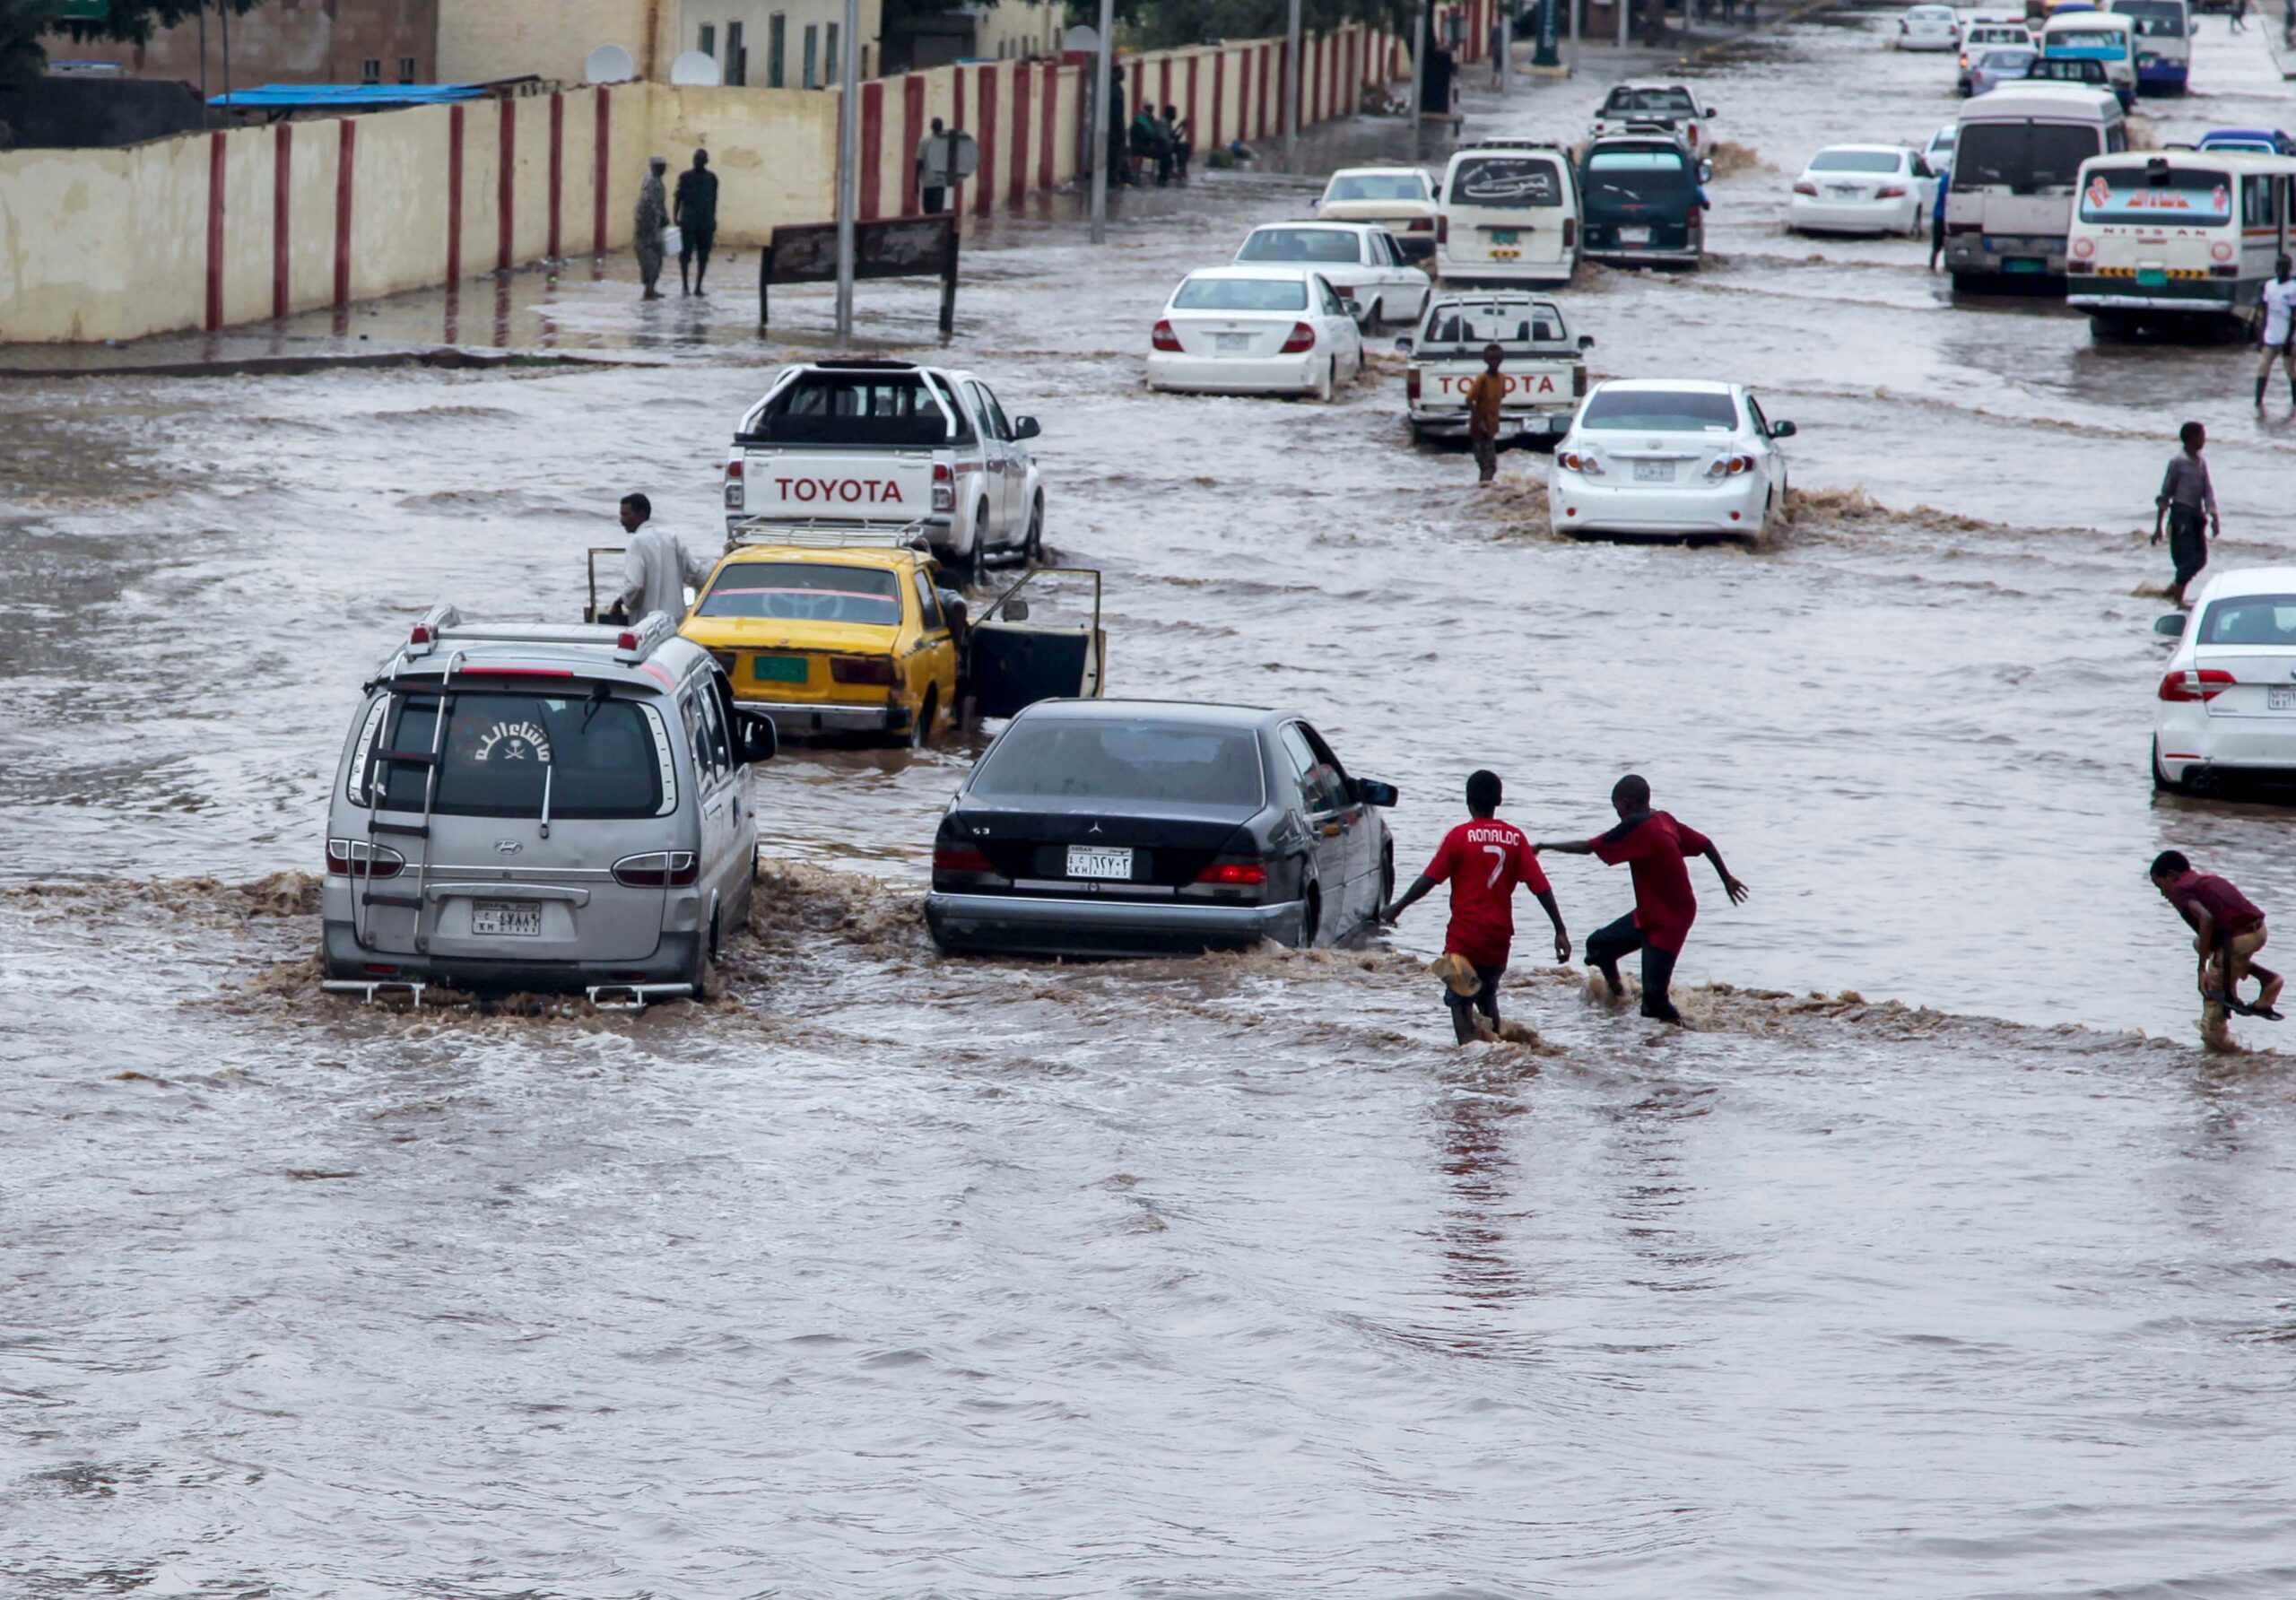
[1964, 1275]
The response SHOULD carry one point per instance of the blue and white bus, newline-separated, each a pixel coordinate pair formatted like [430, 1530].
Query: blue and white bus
[2163, 43]
[2095, 36]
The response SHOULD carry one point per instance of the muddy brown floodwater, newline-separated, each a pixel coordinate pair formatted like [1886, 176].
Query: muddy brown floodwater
[1936, 1261]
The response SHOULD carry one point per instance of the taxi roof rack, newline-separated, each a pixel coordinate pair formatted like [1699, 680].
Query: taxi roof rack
[816, 534]
[443, 624]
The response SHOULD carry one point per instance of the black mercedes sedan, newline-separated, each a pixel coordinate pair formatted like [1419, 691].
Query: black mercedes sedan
[1111, 826]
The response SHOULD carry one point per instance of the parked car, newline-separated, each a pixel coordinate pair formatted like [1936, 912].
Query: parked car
[1400, 199]
[1359, 260]
[2006, 64]
[1669, 458]
[1509, 215]
[2255, 141]
[1863, 188]
[2226, 706]
[525, 806]
[2083, 70]
[1928, 27]
[1670, 105]
[1642, 200]
[1255, 330]
[1938, 152]
[1142, 827]
[888, 446]
[1544, 367]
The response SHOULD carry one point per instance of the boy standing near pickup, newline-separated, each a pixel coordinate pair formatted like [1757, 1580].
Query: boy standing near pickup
[1484, 397]
[1482, 859]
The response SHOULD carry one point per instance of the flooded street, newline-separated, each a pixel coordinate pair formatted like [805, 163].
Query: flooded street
[1935, 1261]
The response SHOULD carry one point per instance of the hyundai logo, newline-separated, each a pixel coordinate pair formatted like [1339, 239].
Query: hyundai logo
[507, 846]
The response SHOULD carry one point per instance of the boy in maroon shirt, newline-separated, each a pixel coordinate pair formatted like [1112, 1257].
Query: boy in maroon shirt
[2227, 931]
[1655, 846]
[1482, 859]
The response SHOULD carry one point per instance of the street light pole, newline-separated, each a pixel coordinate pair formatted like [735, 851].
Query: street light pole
[1418, 68]
[1506, 46]
[848, 169]
[1291, 83]
[1101, 89]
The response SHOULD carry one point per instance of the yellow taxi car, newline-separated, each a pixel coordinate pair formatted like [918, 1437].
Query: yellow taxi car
[845, 640]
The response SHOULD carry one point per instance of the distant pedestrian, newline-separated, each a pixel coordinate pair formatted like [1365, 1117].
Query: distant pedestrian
[2227, 932]
[1119, 132]
[1177, 141]
[2188, 500]
[2279, 324]
[1937, 218]
[695, 213]
[653, 215]
[1655, 846]
[2240, 16]
[1148, 145]
[1730, 10]
[1484, 860]
[2288, 25]
[932, 160]
[1485, 395]
[1497, 53]
[655, 569]
[1750, 12]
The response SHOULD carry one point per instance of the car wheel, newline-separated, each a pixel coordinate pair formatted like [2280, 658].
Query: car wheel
[1032, 543]
[920, 730]
[1312, 918]
[1328, 384]
[700, 972]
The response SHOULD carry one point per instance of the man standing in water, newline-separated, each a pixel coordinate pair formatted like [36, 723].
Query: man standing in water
[1654, 845]
[1482, 859]
[655, 569]
[2279, 303]
[695, 212]
[1485, 395]
[2227, 931]
[2186, 497]
[652, 215]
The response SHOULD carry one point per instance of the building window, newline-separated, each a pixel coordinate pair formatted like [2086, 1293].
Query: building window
[737, 58]
[812, 80]
[776, 50]
[370, 71]
[406, 69]
[708, 42]
[832, 64]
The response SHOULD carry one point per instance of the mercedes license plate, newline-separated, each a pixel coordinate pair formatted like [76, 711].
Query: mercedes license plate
[506, 917]
[1634, 236]
[2280, 700]
[1654, 472]
[1090, 861]
[1231, 344]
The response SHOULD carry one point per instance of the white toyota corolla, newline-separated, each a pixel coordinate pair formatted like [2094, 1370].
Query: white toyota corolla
[1929, 28]
[2227, 704]
[1668, 459]
[1255, 330]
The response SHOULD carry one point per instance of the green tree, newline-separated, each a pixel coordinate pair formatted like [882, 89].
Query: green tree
[23, 56]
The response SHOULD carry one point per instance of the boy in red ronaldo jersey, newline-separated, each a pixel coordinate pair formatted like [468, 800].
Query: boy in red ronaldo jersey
[1484, 860]
[1655, 846]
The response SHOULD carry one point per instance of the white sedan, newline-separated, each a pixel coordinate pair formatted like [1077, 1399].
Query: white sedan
[1255, 330]
[1668, 459]
[1361, 260]
[1863, 188]
[1400, 199]
[2227, 704]
[1929, 28]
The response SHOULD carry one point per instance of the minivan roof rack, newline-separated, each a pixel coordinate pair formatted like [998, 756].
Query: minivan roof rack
[443, 624]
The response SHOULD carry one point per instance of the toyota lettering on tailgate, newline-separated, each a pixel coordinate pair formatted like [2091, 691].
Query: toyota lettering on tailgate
[843, 492]
[1458, 383]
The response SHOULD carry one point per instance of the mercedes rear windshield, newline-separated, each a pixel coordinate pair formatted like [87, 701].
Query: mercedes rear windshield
[1145, 762]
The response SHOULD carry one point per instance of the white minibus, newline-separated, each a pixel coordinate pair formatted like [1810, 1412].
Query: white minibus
[2016, 153]
[1508, 213]
[2163, 43]
[2176, 236]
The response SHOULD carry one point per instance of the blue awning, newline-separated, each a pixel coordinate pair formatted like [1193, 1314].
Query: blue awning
[345, 96]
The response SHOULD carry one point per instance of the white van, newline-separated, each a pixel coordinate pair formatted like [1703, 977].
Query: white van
[2187, 236]
[2095, 36]
[1508, 213]
[2017, 154]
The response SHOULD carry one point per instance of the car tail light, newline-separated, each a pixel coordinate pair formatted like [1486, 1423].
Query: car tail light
[1302, 339]
[2203, 683]
[1579, 383]
[656, 869]
[1803, 185]
[1578, 463]
[1421, 225]
[1163, 338]
[1569, 232]
[876, 671]
[944, 486]
[1442, 230]
[2084, 248]
[1411, 385]
[1234, 872]
[2224, 272]
[1890, 191]
[961, 858]
[2220, 251]
[735, 493]
[1693, 135]
[1730, 467]
[356, 857]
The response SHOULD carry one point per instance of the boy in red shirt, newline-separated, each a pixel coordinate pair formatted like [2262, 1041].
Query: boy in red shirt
[1482, 859]
[2227, 932]
[1653, 846]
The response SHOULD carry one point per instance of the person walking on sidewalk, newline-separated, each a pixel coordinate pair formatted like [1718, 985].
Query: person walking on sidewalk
[2239, 17]
[2227, 932]
[1485, 395]
[2186, 497]
[1653, 846]
[695, 212]
[2279, 324]
[652, 215]
[1484, 860]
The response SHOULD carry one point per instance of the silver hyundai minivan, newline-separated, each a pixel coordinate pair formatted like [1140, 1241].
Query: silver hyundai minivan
[541, 806]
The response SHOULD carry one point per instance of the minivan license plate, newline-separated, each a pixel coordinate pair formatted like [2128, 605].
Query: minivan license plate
[2280, 700]
[1634, 236]
[1086, 861]
[1503, 236]
[506, 917]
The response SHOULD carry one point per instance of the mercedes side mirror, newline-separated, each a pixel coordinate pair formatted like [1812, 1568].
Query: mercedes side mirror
[1781, 430]
[1370, 791]
[761, 741]
[1586, 341]
[1402, 343]
[1025, 428]
[2172, 626]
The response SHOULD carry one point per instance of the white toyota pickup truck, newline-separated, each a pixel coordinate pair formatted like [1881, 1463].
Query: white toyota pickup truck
[838, 446]
[1546, 368]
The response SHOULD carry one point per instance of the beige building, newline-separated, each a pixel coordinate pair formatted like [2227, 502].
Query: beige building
[1014, 30]
[777, 44]
[282, 41]
[479, 40]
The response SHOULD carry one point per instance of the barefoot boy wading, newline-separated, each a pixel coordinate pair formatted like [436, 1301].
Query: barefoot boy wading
[1653, 846]
[1482, 859]
[2227, 932]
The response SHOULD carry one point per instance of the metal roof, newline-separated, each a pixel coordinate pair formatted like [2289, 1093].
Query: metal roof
[345, 96]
